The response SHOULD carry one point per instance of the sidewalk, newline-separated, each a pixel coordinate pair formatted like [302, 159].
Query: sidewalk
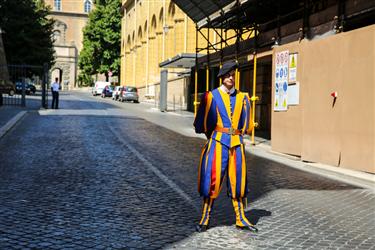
[181, 122]
[11, 114]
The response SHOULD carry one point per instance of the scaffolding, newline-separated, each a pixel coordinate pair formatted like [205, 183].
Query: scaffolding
[258, 25]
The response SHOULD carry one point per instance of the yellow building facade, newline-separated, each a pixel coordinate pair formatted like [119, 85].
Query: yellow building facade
[152, 32]
[71, 17]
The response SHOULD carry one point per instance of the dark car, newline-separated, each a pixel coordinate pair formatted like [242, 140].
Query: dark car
[107, 91]
[32, 88]
[7, 87]
[129, 94]
[29, 88]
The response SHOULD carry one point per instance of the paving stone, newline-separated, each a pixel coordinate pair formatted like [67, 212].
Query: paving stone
[83, 188]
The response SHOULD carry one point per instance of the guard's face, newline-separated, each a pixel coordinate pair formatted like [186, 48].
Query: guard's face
[228, 79]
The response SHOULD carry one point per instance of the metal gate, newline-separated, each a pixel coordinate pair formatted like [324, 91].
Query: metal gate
[24, 85]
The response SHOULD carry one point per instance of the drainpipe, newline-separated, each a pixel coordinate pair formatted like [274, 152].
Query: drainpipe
[164, 23]
[135, 42]
[186, 34]
[196, 72]
[147, 45]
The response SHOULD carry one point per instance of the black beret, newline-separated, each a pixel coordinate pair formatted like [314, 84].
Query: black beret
[227, 67]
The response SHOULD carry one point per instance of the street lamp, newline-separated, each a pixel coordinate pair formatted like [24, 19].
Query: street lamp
[165, 29]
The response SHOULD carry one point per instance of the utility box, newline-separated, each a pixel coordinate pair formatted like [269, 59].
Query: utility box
[163, 90]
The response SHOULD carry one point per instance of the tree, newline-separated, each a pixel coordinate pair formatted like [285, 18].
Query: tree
[27, 32]
[102, 39]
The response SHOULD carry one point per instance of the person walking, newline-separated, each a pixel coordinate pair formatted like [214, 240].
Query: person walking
[224, 116]
[55, 87]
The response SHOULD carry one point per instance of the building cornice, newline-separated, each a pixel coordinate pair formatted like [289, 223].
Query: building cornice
[125, 5]
[71, 14]
[65, 46]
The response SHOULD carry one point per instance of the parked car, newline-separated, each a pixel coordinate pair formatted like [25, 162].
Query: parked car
[129, 94]
[7, 87]
[107, 91]
[116, 92]
[29, 88]
[98, 87]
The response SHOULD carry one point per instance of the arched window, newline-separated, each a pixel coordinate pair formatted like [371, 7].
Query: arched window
[57, 36]
[171, 11]
[153, 25]
[87, 6]
[59, 31]
[57, 4]
[145, 28]
[128, 44]
[133, 39]
[161, 16]
[140, 33]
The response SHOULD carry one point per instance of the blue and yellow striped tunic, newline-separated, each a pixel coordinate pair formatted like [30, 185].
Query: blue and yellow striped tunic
[223, 152]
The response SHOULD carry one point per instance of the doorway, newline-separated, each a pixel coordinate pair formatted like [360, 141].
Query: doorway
[263, 91]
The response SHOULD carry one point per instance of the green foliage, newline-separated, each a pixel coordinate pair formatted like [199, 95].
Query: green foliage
[27, 32]
[102, 39]
[85, 80]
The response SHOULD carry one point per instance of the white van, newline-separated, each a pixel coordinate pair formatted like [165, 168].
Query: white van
[98, 87]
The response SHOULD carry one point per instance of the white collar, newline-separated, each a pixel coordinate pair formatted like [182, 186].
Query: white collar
[225, 90]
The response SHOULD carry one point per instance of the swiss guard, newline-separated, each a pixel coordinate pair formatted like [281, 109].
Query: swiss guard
[224, 116]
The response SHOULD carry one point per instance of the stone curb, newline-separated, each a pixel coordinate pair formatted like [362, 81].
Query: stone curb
[4, 129]
[262, 149]
[352, 177]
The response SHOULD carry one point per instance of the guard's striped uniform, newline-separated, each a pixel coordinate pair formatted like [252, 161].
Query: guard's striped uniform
[224, 118]
[223, 152]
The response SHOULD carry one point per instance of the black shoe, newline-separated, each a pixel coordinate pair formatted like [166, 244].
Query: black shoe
[201, 228]
[249, 228]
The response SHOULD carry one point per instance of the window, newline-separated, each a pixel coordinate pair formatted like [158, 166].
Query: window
[87, 6]
[57, 36]
[57, 5]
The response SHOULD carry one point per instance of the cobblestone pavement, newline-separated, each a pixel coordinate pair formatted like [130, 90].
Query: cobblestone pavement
[91, 175]
[7, 112]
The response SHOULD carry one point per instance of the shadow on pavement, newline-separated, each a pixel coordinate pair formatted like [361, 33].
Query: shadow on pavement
[108, 193]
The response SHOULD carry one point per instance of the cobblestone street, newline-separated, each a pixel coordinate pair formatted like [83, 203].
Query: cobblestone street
[95, 175]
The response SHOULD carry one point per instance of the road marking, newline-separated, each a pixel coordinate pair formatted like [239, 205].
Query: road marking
[4, 129]
[156, 171]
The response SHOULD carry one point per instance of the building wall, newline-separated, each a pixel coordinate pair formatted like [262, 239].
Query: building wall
[70, 21]
[342, 133]
[154, 31]
[73, 6]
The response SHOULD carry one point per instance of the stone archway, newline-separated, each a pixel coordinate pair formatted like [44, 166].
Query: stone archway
[63, 70]
[56, 72]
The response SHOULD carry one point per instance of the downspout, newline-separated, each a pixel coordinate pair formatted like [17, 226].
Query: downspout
[164, 23]
[135, 42]
[186, 34]
[196, 72]
[254, 97]
[208, 59]
[147, 45]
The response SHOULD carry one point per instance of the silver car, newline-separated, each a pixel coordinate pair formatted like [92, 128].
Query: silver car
[116, 92]
[129, 94]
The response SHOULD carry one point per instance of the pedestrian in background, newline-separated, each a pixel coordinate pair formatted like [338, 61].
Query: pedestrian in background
[55, 87]
[224, 116]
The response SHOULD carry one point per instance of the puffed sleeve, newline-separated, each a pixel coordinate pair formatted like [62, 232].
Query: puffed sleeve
[206, 118]
[249, 124]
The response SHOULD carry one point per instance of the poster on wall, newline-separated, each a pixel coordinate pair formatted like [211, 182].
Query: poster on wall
[281, 81]
[293, 93]
[293, 67]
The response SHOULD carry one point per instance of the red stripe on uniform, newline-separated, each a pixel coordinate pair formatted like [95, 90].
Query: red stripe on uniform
[213, 174]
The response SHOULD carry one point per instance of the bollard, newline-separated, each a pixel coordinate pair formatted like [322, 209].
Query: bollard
[180, 102]
[174, 103]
